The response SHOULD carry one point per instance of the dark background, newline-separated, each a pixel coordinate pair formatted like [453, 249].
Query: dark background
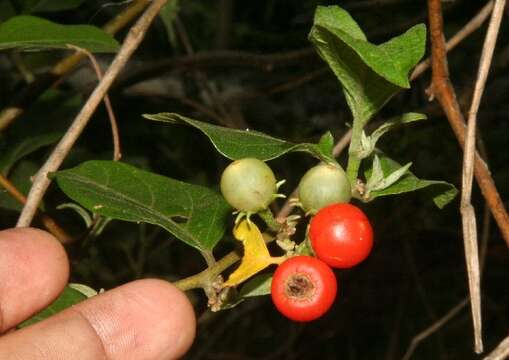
[416, 273]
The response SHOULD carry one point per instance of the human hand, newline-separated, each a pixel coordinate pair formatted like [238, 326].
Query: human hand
[144, 319]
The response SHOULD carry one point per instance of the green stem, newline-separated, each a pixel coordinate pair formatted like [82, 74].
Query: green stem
[209, 257]
[269, 219]
[204, 278]
[354, 161]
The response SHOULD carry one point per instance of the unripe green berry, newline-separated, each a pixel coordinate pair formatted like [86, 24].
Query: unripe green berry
[323, 185]
[248, 185]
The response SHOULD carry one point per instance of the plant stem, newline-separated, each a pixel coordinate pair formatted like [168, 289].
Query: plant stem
[232, 257]
[32, 92]
[107, 103]
[443, 90]
[48, 222]
[204, 278]
[354, 161]
[269, 219]
[131, 43]
[209, 257]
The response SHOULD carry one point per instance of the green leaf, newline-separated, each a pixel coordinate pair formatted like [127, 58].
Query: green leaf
[12, 152]
[168, 15]
[390, 179]
[394, 123]
[370, 74]
[326, 144]
[237, 144]
[257, 286]
[334, 17]
[84, 289]
[30, 32]
[83, 213]
[124, 192]
[66, 299]
[376, 173]
[442, 192]
[368, 143]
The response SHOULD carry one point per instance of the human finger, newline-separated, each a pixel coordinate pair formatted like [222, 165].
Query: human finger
[33, 271]
[145, 319]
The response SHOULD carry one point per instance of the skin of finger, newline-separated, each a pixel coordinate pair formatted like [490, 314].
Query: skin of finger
[33, 271]
[145, 319]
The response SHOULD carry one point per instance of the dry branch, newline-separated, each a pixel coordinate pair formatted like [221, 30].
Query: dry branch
[32, 92]
[117, 153]
[501, 352]
[46, 220]
[131, 43]
[474, 24]
[433, 328]
[467, 209]
[442, 89]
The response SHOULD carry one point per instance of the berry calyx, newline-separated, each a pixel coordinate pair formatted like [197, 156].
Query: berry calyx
[323, 185]
[341, 235]
[303, 288]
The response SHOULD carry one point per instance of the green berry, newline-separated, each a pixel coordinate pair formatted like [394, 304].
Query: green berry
[248, 185]
[323, 185]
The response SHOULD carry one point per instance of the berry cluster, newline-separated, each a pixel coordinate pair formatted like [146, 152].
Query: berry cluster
[304, 287]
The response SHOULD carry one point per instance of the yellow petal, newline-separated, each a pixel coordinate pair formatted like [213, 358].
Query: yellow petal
[256, 255]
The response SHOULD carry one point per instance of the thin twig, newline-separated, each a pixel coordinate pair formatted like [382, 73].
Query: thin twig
[41, 182]
[439, 64]
[223, 59]
[420, 337]
[32, 92]
[197, 106]
[467, 209]
[442, 89]
[485, 236]
[21, 66]
[117, 153]
[434, 328]
[46, 220]
[501, 352]
[200, 280]
[474, 24]
[282, 87]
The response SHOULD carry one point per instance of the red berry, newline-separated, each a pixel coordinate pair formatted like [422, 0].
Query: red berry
[341, 235]
[303, 288]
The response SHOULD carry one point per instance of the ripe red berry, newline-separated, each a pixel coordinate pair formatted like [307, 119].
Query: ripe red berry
[303, 288]
[341, 235]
